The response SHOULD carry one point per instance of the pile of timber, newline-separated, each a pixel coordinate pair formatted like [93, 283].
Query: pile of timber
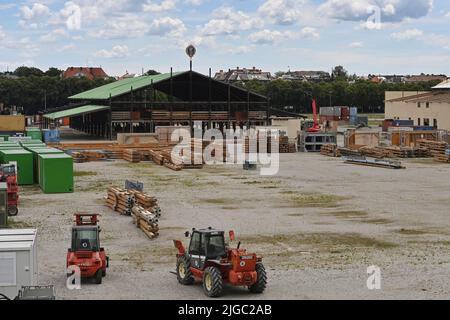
[437, 149]
[89, 156]
[284, 145]
[407, 152]
[120, 200]
[330, 150]
[347, 152]
[374, 152]
[146, 220]
[132, 155]
[146, 201]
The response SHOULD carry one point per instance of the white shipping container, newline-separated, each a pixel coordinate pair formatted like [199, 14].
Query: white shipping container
[18, 260]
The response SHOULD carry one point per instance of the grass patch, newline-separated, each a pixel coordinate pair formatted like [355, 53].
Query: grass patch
[377, 221]
[12, 224]
[96, 186]
[292, 244]
[315, 200]
[222, 201]
[411, 232]
[84, 173]
[347, 214]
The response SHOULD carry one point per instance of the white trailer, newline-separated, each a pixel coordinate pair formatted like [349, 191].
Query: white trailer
[18, 260]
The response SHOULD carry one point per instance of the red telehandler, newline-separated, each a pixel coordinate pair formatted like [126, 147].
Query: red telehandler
[8, 175]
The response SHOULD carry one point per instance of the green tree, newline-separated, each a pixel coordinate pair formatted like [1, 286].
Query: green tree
[28, 72]
[53, 72]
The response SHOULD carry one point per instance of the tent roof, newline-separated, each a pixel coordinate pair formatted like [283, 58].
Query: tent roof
[75, 112]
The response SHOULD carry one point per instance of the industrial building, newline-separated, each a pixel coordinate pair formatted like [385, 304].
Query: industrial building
[140, 104]
[425, 108]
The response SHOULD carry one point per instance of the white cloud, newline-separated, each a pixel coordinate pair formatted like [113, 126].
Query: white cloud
[118, 51]
[72, 14]
[194, 2]
[2, 34]
[284, 12]
[167, 26]
[447, 15]
[227, 21]
[36, 11]
[310, 33]
[53, 35]
[407, 34]
[356, 44]
[164, 5]
[269, 37]
[68, 47]
[127, 26]
[6, 6]
[390, 10]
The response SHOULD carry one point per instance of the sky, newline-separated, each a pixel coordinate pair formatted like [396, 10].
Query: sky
[365, 36]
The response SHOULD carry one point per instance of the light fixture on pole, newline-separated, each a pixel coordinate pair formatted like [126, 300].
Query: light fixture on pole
[191, 51]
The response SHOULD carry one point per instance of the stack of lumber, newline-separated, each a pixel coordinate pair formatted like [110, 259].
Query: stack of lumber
[88, 156]
[120, 200]
[284, 144]
[346, 152]
[437, 149]
[156, 157]
[330, 150]
[146, 220]
[146, 201]
[132, 155]
[374, 152]
[406, 152]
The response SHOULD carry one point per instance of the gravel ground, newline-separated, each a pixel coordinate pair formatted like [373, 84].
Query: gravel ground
[318, 224]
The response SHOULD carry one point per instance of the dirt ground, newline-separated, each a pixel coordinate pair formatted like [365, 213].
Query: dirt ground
[318, 224]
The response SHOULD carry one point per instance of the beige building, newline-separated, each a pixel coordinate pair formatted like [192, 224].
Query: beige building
[430, 108]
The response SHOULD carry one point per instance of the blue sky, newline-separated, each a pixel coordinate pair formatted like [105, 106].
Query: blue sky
[366, 36]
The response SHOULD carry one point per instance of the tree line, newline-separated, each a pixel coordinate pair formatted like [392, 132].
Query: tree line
[367, 96]
[34, 90]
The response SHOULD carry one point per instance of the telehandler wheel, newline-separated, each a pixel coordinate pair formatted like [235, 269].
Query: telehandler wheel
[98, 277]
[103, 273]
[184, 273]
[212, 282]
[13, 211]
[261, 282]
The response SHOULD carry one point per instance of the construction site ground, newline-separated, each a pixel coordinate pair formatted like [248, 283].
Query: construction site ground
[319, 224]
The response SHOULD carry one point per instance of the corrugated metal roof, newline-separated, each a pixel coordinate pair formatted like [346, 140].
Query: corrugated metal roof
[75, 112]
[121, 87]
[443, 85]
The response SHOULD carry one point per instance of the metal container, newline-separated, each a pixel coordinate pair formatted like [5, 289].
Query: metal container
[50, 135]
[4, 137]
[34, 133]
[23, 159]
[353, 111]
[18, 260]
[36, 152]
[55, 173]
[32, 141]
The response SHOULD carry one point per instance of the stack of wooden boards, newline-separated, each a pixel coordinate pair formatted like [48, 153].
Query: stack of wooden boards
[437, 149]
[285, 146]
[89, 156]
[142, 207]
[330, 150]
[120, 200]
[132, 155]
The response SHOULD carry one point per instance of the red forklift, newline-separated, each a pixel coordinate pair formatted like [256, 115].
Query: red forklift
[8, 175]
[85, 251]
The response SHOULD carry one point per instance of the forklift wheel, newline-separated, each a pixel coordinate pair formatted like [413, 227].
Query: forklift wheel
[13, 211]
[212, 282]
[261, 282]
[98, 277]
[184, 273]
[103, 273]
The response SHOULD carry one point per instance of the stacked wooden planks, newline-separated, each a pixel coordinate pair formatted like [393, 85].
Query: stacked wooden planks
[132, 155]
[120, 200]
[437, 149]
[330, 150]
[284, 144]
[374, 152]
[147, 221]
[89, 156]
[406, 152]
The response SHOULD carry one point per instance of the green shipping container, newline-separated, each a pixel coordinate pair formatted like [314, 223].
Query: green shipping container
[55, 173]
[4, 137]
[36, 152]
[33, 146]
[24, 161]
[32, 141]
[34, 133]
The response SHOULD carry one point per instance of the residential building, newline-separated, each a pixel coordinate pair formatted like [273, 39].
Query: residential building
[85, 72]
[310, 76]
[426, 78]
[239, 74]
[425, 108]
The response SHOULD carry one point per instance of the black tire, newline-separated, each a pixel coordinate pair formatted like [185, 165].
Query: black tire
[103, 273]
[13, 211]
[261, 282]
[184, 273]
[98, 277]
[212, 282]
